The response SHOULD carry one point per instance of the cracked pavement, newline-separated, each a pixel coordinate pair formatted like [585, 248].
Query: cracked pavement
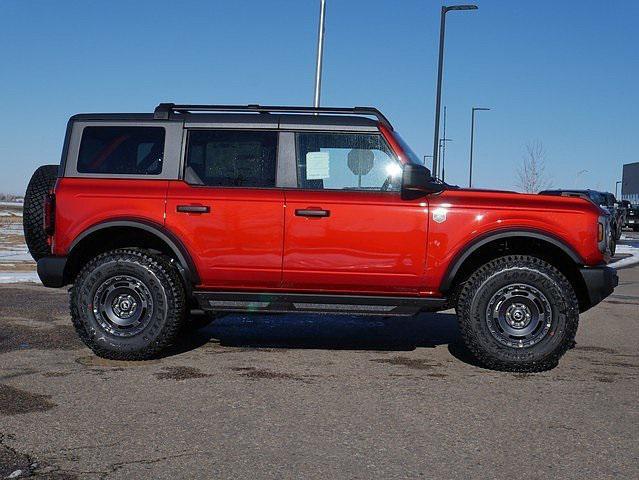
[302, 396]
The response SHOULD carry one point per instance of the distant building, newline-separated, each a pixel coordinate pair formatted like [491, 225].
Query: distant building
[630, 183]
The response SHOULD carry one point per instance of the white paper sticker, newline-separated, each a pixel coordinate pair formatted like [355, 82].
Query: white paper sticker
[317, 165]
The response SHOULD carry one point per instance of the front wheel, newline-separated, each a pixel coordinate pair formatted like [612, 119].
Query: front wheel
[518, 313]
[128, 304]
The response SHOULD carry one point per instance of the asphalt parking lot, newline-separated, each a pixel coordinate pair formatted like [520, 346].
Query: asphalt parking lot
[287, 396]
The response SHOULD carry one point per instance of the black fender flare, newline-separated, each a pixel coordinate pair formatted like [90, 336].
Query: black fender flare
[469, 248]
[168, 237]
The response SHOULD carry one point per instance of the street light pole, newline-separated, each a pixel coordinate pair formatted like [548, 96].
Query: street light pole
[616, 183]
[442, 149]
[472, 142]
[320, 54]
[440, 67]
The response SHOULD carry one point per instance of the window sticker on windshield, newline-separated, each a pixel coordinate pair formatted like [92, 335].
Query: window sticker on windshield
[317, 167]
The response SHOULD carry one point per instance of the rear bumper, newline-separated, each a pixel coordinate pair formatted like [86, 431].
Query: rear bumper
[51, 271]
[600, 282]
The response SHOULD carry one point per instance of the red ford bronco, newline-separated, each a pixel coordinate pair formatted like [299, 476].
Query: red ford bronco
[292, 209]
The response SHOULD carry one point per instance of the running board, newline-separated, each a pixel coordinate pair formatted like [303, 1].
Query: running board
[315, 303]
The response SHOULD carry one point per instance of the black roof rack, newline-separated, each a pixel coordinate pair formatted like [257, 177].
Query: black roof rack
[164, 110]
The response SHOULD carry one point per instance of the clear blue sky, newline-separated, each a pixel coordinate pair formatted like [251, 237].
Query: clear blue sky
[562, 72]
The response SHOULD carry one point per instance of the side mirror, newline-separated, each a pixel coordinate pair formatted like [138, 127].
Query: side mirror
[417, 181]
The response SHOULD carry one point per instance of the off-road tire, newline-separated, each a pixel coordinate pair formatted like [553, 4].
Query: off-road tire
[41, 183]
[485, 283]
[166, 304]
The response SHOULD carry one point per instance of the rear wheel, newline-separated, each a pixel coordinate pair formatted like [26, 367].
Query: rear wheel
[41, 183]
[635, 228]
[128, 304]
[518, 313]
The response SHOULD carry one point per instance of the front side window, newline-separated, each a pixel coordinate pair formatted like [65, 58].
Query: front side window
[122, 150]
[346, 161]
[231, 158]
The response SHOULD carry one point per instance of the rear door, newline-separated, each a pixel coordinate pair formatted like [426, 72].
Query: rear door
[347, 227]
[227, 209]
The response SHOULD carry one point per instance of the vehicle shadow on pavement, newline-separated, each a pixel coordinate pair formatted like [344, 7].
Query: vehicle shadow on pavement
[332, 332]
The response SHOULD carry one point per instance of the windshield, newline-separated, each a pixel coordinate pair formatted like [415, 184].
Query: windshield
[412, 156]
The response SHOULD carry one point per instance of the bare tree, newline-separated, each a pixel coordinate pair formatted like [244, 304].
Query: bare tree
[531, 173]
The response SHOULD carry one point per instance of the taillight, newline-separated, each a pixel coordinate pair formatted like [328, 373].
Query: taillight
[49, 214]
[600, 233]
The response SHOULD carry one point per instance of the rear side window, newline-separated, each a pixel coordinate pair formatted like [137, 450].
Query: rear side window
[231, 158]
[346, 161]
[122, 150]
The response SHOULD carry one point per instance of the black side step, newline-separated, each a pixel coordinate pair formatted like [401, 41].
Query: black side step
[315, 303]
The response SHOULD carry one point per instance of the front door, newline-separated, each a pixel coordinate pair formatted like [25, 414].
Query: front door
[227, 209]
[347, 228]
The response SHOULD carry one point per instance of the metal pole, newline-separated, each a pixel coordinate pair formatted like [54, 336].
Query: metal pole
[320, 54]
[616, 183]
[472, 142]
[440, 68]
[438, 101]
[443, 158]
[472, 139]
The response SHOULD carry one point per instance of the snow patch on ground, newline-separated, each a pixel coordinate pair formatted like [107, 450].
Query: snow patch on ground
[15, 253]
[12, 228]
[19, 277]
[627, 246]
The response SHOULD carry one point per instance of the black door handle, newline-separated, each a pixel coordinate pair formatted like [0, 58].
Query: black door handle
[193, 208]
[312, 213]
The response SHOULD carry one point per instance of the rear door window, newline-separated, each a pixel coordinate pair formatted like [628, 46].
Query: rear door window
[122, 150]
[231, 158]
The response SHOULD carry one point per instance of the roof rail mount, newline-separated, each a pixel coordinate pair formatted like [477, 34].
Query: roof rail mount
[164, 110]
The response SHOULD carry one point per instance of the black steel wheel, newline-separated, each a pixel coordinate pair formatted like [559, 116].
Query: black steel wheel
[517, 313]
[128, 304]
[123, 305]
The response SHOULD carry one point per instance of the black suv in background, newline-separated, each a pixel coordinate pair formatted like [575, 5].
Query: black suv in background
[605, 200]
[632, 215]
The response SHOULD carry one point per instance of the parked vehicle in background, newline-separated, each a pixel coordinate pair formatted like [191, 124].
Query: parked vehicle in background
[632, 215]
[298, 209]
[617, 211]
[605, 200]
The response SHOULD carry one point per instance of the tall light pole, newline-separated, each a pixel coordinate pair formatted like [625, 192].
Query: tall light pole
[616, 183]
[472, 142]
[440, 67]
[320, 54]
[442, 148]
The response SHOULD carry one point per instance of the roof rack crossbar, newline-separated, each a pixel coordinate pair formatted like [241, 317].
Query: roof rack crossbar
[164, 110]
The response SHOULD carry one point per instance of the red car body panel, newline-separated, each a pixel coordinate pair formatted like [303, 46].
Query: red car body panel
[238, 244]
[472, 214]
[82, 204]
[369, 242]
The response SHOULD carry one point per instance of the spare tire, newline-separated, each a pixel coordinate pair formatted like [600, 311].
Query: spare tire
[41, 183]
